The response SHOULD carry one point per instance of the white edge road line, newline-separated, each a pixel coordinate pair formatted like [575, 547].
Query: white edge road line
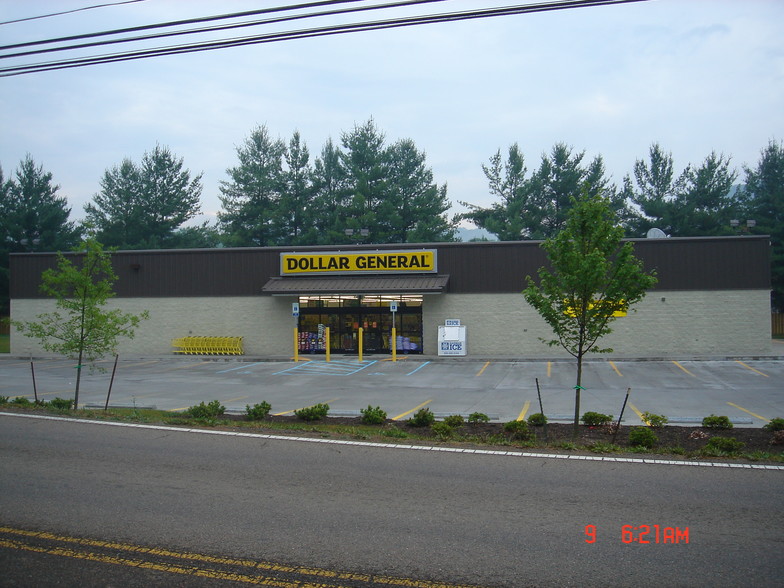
[406, 447]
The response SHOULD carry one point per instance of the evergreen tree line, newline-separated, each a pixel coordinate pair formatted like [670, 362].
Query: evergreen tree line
[366, 190]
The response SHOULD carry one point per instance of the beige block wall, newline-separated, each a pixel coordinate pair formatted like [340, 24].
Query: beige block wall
[264, 322]
[665, 324]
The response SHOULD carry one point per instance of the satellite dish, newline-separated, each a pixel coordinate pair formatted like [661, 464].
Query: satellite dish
[655, 233]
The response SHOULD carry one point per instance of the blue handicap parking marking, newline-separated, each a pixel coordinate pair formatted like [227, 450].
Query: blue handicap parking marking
[323, 368]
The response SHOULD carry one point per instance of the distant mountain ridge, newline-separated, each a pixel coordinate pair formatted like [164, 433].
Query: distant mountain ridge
[469, 234]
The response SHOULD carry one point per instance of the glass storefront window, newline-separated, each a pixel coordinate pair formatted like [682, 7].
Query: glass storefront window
[344, 314]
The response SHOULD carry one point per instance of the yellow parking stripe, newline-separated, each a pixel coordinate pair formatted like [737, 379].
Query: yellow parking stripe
[526, 406]
[400, 416]
[549, 368]
[127, 365]
[684, 369]
[762, 418]
[639, 414]
[748, 367]
[613, 366]
[188, 365]
[484, 367]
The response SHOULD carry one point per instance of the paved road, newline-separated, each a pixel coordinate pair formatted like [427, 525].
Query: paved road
[749, 392]
[486, 520]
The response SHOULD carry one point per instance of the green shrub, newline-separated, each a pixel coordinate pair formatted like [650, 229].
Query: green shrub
[394, 433]
[206, 411]
[478, 417]
[642, 437]
[61, 403]
[258, 412]
[21, 401]
[596, 419]
[373, 416]
[442, 430]
[422, 418]
[454, 420]
[3, 400]
[602, 447]
[724, 444]
[654, 420]
[776, 424]
[716, 422]
[517, 430]
[312, 413]
[537, 419]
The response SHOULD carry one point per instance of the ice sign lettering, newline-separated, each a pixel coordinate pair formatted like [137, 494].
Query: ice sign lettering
[451, 345]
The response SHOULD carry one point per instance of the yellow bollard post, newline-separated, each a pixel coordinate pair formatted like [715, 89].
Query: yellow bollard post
[296, 345]
[394, 344]
[326, 336]
[360, 344]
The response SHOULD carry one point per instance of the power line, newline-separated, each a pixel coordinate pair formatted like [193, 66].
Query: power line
[225, 27]
[70, 11]
[307, 33]
[179, 23]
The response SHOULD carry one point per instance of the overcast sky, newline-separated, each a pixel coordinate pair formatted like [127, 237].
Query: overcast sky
[693, 75]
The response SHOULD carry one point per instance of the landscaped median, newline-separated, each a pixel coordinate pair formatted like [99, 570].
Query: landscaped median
[715, 440]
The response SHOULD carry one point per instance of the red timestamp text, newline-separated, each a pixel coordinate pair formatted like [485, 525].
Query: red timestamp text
[645, 534]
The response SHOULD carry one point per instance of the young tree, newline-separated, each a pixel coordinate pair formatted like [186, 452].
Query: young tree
[141, 206]
[593, 276]
[81, 327]
[763, 197]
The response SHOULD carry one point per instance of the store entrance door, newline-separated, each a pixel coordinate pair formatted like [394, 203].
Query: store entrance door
[346, 314]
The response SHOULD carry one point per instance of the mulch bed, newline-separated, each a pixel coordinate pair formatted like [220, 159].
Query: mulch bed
[689, 440]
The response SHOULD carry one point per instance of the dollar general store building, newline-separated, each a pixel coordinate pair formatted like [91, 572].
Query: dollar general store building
[712, 298]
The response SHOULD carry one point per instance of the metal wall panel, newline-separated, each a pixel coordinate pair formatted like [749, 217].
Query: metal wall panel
[710, 263]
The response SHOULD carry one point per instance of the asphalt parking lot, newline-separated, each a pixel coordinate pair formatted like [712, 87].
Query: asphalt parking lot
[748, 391]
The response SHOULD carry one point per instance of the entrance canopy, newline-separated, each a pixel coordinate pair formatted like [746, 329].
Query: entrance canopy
[430, 284]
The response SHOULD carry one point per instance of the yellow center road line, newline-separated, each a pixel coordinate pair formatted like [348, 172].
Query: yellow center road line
[639, 414]
[762, 418]
[400, 416]
[484, 367]
[748, 367]
[184, 563]
[684, 369]
[293, 409]
[613, 366]
[234, 399]
[526, 406]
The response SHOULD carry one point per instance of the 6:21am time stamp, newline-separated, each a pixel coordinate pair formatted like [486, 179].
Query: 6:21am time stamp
[645, 534]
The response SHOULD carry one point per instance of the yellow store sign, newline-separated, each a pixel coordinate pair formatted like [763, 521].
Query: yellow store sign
[359, 262]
